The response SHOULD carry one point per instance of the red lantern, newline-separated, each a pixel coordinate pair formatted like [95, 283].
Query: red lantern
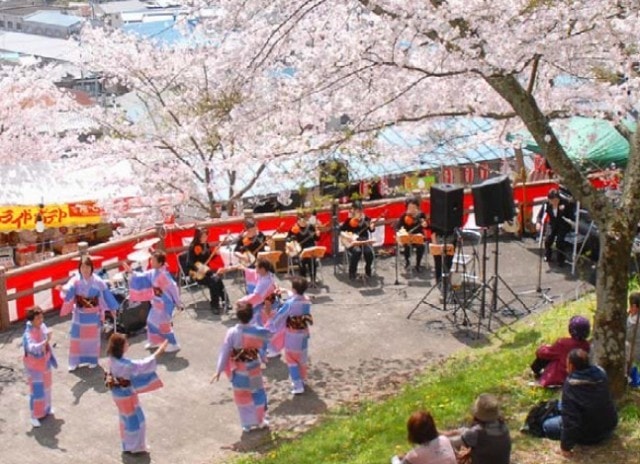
[483, 171]
[469, 175]
[447, 175]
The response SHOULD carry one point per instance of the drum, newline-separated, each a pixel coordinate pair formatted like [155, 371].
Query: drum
[132, 316]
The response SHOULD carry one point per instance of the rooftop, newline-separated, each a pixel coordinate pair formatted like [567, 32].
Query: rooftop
[53, 18]
[110, 8]
[40, 46]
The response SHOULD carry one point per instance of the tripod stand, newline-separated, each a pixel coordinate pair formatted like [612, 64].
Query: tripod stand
[492, 285]
[444, 283]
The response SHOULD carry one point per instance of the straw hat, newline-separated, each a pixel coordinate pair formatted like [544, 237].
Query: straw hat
[486, 408]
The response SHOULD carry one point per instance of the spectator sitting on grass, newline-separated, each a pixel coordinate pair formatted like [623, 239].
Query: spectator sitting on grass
[588, 415]
[550, 366]
[487, 441]
[431, 448]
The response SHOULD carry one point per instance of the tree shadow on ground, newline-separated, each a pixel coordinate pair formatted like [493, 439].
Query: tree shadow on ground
[522, 339]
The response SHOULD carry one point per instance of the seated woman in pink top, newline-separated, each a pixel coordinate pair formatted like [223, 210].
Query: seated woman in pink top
[432, 448]
[550, 365]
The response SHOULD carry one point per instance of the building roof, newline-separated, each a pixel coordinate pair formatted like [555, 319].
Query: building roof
[110, 8]
[26, 10]
[53, 18]
[40, 46]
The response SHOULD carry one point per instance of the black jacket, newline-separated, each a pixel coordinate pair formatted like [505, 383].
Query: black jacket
[556, 222]
[588, 413]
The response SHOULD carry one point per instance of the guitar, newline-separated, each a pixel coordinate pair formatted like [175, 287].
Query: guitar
[350, 239]
[248, 258]
[294, 248]
[202, 268]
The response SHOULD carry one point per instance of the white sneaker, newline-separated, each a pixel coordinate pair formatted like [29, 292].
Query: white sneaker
[51, 412]
[72, 367]
[264, 424]
[92, 366]
[172, 348]
[246, 429]
[150, 346]
[297, 391]
[272, 354]
[35, 422]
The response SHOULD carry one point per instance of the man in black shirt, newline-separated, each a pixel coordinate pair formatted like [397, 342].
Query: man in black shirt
[353, 232]
[250, 242]
[301, 236]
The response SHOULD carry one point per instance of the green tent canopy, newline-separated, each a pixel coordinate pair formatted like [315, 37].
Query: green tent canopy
[591, 143]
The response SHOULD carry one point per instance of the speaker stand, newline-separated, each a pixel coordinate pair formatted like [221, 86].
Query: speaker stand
[493, 285]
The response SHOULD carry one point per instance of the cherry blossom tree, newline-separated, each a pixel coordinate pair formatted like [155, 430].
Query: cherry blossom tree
[521, 62]
[38, 121]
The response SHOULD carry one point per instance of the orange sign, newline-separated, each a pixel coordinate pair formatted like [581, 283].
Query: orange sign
[71, 214]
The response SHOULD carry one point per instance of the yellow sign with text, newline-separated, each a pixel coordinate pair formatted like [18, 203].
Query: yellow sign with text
[66, 215]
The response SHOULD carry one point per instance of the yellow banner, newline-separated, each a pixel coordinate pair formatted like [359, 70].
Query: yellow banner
[66, 215]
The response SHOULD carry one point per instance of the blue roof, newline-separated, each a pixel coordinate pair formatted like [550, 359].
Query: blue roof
[54, 18]
[165, 32]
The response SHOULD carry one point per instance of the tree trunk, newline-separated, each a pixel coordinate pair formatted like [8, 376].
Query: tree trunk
[616, 223]
[608, 347]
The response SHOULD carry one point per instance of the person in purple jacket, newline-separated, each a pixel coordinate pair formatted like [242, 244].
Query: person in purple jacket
[550, 365]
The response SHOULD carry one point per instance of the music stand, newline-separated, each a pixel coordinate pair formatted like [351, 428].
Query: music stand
[444, 249]
[313, 253]
[272, 256]
[406, 239]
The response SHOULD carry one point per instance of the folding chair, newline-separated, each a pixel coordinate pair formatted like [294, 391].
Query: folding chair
[185, 281]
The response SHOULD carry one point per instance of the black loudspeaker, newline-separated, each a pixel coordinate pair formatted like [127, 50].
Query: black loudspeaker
[493, 201]
[334, 178]
[446, 207]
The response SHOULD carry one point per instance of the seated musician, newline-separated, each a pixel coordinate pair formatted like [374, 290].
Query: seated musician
[198, 259]
[303, 235]
[413, 221]
[356, 228]
[250, 242]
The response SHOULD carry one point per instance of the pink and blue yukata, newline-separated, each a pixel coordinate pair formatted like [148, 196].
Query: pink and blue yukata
[290, 326]
[158, 287]
[133, 377]
[38, 361]
[87, 299]
[240, 359]
[258, 289]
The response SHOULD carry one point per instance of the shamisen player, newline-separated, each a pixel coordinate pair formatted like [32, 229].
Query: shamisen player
[358, 228]
[301, 236]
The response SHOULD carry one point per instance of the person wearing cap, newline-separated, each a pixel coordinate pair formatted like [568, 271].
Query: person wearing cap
[587, 413]
[487, 440]
[358, 228]
[551, 221]
[87, 297]
[549, 367]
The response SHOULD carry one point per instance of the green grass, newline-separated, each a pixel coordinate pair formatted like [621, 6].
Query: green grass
[373, 432]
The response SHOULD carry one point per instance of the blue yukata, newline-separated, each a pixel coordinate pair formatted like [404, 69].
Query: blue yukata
[87, 300]
[158, 287]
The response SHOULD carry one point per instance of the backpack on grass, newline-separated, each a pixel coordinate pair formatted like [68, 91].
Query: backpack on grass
[537, 415]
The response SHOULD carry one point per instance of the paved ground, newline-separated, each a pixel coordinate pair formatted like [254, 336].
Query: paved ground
[362, 345]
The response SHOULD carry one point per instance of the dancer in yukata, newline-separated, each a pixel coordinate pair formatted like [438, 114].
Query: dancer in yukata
[240, 359]
[261, 284]
[38, 361]
[127, 378]
[157, 286]
[86, 296]
[290, 326]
